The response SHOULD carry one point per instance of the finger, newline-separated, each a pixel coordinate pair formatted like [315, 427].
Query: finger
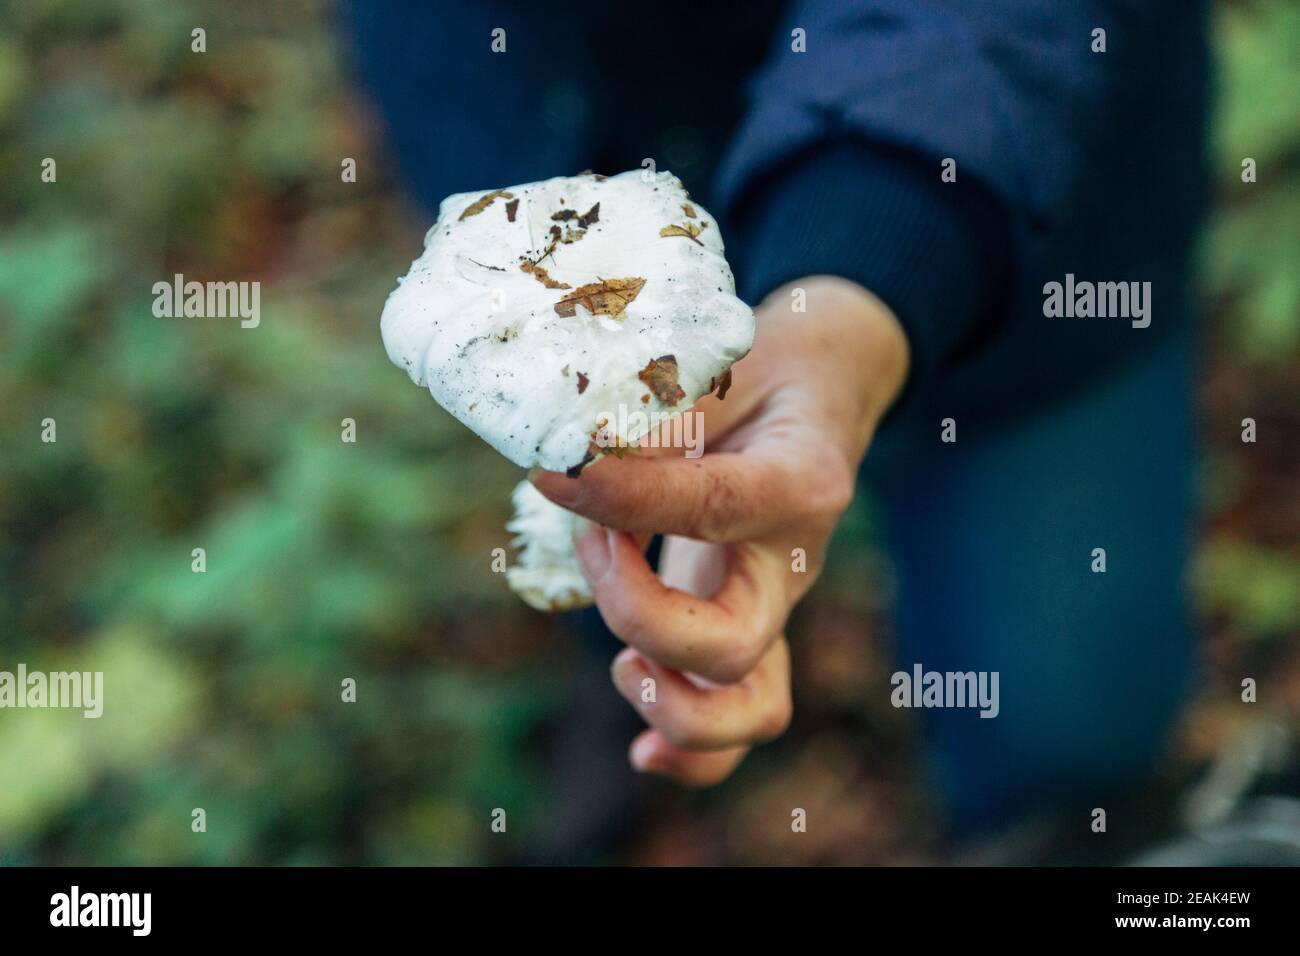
[721, 497]
[696, 567]
[652, 753]
[695, 717]
[721, 638]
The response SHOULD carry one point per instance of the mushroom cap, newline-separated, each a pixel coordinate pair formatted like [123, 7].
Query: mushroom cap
[545, 316]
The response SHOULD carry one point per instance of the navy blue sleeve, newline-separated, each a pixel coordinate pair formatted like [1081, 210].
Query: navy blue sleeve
[1009, 88]
[937, 253]
[837, 165]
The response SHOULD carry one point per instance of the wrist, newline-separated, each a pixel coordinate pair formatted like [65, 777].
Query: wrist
[846, 345]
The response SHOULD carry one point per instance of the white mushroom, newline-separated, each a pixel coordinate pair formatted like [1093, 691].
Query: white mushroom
[546, 572]
[559, 319]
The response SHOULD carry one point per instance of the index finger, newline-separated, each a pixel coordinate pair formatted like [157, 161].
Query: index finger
[721, 497]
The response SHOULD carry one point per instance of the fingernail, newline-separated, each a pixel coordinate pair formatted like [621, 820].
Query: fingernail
[592, 547]
[627, 671]
[642, 750]
[624, 656]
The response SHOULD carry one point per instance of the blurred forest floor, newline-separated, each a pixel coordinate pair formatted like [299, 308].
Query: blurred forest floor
[328, 560]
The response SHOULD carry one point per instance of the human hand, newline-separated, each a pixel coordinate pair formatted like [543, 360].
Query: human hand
[782, 455]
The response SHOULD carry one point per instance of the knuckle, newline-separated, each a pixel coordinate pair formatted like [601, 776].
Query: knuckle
[839, 492]
[831, 492]
[734, 662]
[619, 614]
[776, 718]
[687, 733]
[703, 779]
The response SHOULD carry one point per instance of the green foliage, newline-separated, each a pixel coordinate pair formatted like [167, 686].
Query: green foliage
[1251, 270]
[1253, 246]
[1257, 587]
[325, 560]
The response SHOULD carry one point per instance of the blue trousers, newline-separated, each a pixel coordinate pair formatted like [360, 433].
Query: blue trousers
[993, 538]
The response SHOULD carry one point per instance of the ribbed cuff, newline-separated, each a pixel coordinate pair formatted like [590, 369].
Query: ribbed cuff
[938, 254]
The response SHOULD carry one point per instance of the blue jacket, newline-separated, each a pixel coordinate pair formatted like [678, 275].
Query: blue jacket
[1068, 160]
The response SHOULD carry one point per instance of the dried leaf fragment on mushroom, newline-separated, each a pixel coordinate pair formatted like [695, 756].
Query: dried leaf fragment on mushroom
[606, 441]
[607, 297]
[722, 384]
[688, 231]
[476, 207]
[565, 236]
[574, 470]
[548, 251]
[542, 276]
[660, 376]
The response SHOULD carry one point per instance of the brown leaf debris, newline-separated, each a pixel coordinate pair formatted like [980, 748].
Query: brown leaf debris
[606, 297]
[476, 207]
[723, 384]
[688, 231]
[542, 276]
[660, 376]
